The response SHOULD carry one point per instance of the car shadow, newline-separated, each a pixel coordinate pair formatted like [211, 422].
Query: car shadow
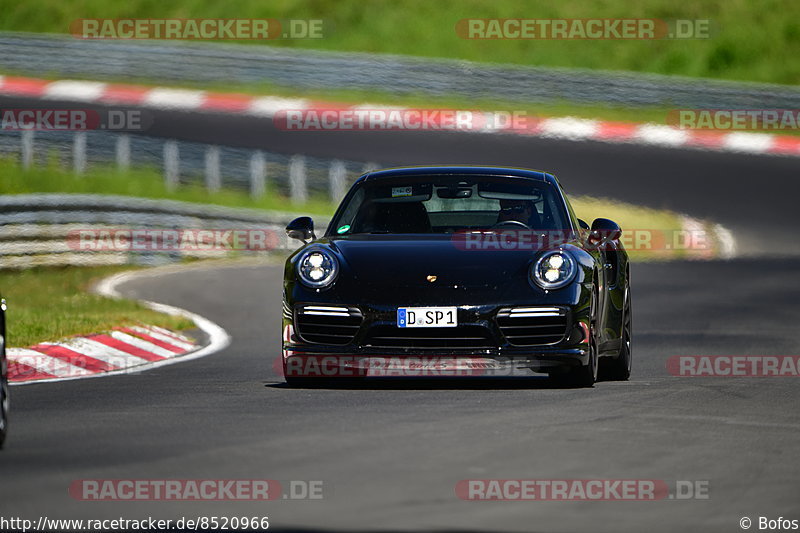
[429, 383]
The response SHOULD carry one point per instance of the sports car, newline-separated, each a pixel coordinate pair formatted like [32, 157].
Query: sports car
[457, 271]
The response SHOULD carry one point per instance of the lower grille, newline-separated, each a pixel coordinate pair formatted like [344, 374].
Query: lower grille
[532, 326]
[327, 324]
[390, 336]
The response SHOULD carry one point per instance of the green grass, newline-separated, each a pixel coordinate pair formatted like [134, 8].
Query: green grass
[48, 304]
[750, 40]
[655, 222]
[144, 183]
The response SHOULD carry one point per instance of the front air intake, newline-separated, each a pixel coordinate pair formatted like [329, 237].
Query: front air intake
[327, 324]
[532, 326]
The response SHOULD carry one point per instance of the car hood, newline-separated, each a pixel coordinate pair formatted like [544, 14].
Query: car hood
[411, 260]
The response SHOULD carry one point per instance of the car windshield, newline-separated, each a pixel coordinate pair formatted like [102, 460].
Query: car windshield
[446, 204]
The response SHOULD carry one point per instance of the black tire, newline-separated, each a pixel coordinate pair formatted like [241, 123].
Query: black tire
[619, 368]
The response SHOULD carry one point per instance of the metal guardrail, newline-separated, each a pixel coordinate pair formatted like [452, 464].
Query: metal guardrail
[297, 177]
[45, 229]
[61, 55]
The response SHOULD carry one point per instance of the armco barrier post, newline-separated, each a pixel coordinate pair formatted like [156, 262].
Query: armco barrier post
[171, 165]
[258, 175]
[26, 148]
[123, 152]
[213, 177]
[79, 153]
[297, 180]
[337, 173]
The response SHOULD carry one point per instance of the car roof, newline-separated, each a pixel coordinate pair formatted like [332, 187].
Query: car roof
[459, 170]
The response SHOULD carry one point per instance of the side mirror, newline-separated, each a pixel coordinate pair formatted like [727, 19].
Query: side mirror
[582, 223]
[605, 230]
[302, 229]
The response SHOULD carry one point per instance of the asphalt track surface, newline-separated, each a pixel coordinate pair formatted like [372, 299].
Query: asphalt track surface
[390, 452]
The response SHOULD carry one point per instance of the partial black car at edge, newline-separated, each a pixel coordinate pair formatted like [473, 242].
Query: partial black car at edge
[3, 375]
[462, 270]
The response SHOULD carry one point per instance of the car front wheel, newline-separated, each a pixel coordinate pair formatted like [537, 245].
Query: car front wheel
[619, 368]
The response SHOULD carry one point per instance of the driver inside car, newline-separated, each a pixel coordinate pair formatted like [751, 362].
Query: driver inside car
[517, 211]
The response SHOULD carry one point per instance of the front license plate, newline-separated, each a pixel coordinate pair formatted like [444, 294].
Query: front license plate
[427, 317]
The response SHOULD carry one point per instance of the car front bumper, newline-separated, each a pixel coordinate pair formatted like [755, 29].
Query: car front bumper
[484, 342]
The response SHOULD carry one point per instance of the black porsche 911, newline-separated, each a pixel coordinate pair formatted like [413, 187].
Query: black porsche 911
[457, 271]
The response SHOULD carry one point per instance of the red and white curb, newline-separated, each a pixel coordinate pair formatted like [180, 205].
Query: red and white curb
[570, 128]
[121, 351]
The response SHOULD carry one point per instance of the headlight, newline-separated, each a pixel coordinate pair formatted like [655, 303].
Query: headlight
[317, 267]
[554, 270]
